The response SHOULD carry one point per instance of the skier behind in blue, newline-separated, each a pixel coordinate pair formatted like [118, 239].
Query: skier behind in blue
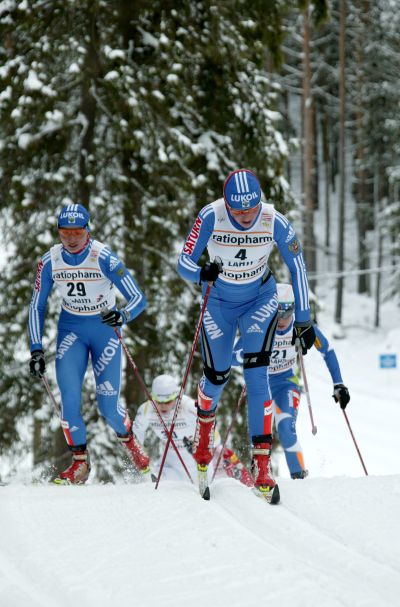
[239, 231]
[85, 273]
[284, 382]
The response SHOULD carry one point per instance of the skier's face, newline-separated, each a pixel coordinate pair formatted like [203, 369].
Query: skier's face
[165, 408]
[283, 323]
[73, 239]
[245, 218]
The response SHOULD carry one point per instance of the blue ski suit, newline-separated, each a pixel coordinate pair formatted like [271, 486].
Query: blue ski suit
[243, 297]
[86, 282]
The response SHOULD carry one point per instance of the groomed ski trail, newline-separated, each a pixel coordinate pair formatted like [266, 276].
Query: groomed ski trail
[332, 542]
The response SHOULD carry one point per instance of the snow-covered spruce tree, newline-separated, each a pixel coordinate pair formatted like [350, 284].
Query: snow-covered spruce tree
[187, 108]
[138, 112]
[374, 103]
[50, 125]
[42, 158]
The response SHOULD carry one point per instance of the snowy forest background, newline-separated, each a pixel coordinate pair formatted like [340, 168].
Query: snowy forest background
[139, 110]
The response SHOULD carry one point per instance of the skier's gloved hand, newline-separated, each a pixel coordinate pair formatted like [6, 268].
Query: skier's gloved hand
[209, 272]
[188, 442]
[303, 336]
[341, 395]
[37, 364]
[113, 318]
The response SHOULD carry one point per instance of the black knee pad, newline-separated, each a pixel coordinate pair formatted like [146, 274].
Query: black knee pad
[261, 438]
[75, 448]
[256, 359]
[216, 377]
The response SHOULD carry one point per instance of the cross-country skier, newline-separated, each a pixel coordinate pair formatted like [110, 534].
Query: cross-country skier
[85, 273]
[239, 231]
[164, 392]
[284, 381]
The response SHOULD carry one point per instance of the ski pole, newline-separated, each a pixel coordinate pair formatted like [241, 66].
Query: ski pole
[148, 395]
[189, 364]
[354, 440]
[51, 396]
[234, 416]
[303, 373]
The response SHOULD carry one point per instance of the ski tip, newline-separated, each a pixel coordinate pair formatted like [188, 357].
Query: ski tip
[269, 494]
[65, 481]
[276, 496]
[61, 481]
[206, 495]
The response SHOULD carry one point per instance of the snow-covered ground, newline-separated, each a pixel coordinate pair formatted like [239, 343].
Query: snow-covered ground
[333, 541]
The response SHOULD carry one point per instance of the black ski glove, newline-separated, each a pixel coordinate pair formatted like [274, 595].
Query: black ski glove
[113, 318]
[341, 395]
[303, 335]
[37, 364]
[188, 442]
[209, 272]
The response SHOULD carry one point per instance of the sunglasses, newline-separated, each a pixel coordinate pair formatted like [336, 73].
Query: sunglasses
[243, 212]
[164, 400]
[283, 314]
[72, 231]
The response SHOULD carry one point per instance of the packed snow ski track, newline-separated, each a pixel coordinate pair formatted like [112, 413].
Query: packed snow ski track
[331, 542]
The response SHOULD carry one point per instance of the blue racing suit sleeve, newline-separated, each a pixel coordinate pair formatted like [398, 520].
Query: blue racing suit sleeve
[328, 353]
[290, 249]
[37, 308]
[195, 244]
[113, 268]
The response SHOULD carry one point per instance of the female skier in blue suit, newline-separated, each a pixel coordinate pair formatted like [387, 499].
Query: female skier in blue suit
[85, 273]
[284, 382]
[239, 231]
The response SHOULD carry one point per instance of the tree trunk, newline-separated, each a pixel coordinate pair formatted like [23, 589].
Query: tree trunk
[308, 108]
[378, 208]
[361, 189]
[88, 106]
[327, 165]
[342, 161]
[137, 333]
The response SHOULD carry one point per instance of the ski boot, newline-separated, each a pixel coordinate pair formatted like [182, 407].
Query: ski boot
[234, 468]
[301, 474]
[78, 472]
[264, 485]
[137, 456]
[203, 442]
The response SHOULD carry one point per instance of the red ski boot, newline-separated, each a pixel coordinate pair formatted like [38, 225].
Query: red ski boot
[203, 442]
[264, 484]
[139, 459]
[78, 472]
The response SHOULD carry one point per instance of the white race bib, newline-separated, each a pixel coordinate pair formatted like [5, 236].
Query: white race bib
[244, 254]
[84, 289]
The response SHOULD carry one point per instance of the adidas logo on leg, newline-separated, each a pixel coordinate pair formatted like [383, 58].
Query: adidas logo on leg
[106, 389]
[254, 329]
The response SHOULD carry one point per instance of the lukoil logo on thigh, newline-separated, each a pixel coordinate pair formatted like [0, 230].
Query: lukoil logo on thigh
[106, 356]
